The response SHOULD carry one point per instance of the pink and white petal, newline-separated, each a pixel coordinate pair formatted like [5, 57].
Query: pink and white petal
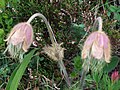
[11, 33]
[25, 47]
[91, 39]
[96, 51]
[88, 44]
[28, 35]
[17, 37]
[106, 41]
[100, 39]
[85, 52]
[107, 53]
[15, 28]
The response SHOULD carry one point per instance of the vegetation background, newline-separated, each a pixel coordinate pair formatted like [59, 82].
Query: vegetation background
[71, 21]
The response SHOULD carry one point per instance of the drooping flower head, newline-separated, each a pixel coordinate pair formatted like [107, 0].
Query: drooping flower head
[97, 45]
[20, 39]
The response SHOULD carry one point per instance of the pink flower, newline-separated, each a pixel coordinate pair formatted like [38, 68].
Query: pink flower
[20, 38]
[115, 76]
[97, 45]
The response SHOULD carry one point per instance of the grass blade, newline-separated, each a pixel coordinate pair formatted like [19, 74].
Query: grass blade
[18, 72]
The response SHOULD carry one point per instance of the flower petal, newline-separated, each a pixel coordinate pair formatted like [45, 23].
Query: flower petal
[87, 45]
[107, 53]
[17, 37]
[97, 51]
[28, 37]
[90, 39]
[100, 40]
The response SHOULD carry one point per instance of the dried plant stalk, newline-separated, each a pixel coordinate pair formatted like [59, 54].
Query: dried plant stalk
[56, 52]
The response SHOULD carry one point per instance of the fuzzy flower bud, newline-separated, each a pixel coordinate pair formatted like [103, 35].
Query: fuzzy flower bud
[115, 76]
[56, 52]
[20, 38]
[97, 45]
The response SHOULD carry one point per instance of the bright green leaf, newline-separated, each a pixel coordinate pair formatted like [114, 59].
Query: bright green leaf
[2, 3]
[113, 8]
[18, 72]
[1, 32]
[11, 78]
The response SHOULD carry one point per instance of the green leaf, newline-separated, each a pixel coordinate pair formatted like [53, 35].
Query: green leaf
[18, 72]
[114, 62]
[41, 59]
[10, 21]
[2, 3]
[77, 63]
[1, 36]
[11, 77]
[1, 32]
[116, 85]
[73, 74]
[81, 25]
[5, 16]
[97, 76]
[108, 14]
[118, 9]
[113, 8]
[117, 16]
[15, 1]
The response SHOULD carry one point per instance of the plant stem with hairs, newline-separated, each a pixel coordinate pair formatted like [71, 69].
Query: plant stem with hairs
[55, 45]
[52, 37]
[63, 71]
[98, 22]
[85, 66]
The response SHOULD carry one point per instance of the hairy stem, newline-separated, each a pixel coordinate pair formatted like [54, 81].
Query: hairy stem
[54, 42]
[63, 71]
[52, 37]
[85, 66]
[99, 21]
